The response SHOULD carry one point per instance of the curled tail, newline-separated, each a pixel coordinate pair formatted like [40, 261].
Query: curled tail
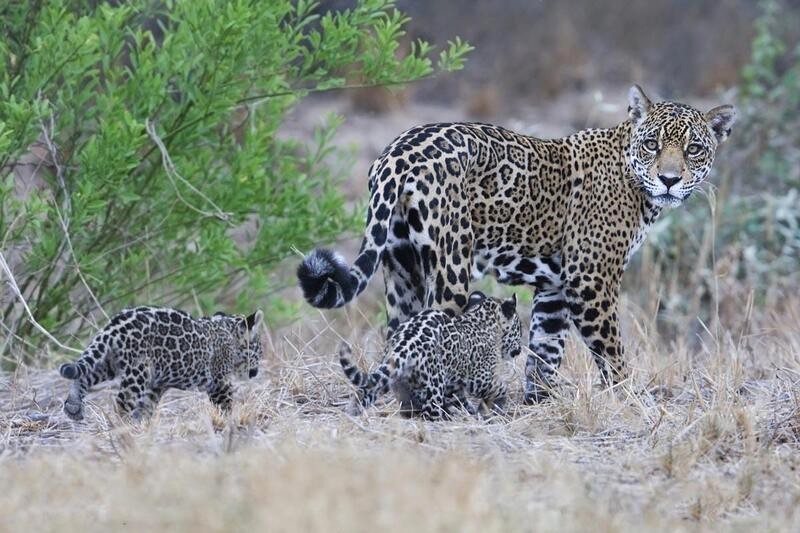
[94, 353]
[325, 278]
[351, 371]
[370, 385]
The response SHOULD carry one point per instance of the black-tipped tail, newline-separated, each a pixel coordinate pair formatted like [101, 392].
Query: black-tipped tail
[326, 280]
[70, 371]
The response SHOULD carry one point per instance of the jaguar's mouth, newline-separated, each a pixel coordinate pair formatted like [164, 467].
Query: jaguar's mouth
[665, 200]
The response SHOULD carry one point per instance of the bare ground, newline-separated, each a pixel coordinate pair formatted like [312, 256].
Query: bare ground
[698, 440]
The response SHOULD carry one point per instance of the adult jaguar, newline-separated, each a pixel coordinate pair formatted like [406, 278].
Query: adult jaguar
[451, 202]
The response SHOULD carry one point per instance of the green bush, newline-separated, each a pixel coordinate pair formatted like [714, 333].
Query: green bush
[88, 91]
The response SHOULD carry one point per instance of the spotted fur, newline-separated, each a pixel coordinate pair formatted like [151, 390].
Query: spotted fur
[433, 361]
[452, 202]
[152, 349]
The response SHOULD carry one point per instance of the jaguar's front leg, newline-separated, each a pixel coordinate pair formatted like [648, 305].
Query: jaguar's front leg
[495, 401]
[221, 394]
[593, 308]
[456, 398]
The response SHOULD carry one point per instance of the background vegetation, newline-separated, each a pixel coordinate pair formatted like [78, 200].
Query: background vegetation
[173, 152]
[139, 154]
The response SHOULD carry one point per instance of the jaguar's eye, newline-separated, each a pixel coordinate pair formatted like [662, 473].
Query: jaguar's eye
[693, 149]
[651, 145]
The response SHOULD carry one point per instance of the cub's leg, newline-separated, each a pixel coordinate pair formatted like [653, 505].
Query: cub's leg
[221, 395]
[495, 400]
[147, 403]
[430, 389]
[456, 398]
[131, 387]
[550, 322]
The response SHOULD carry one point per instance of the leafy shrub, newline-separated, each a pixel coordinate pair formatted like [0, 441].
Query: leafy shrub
[138, 152]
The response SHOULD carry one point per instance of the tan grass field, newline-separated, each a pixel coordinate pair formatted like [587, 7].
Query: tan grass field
[704, 437]
[701, 439]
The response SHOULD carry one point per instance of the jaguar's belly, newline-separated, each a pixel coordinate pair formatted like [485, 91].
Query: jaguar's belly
[541, 272]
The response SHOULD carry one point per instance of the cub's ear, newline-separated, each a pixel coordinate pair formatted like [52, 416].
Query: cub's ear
[721, 120]
[253, 321]
[475, 298]
[509, 306]
[638, 105]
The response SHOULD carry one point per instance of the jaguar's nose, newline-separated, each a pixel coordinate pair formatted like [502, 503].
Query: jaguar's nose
[669, 181]
[253, 372]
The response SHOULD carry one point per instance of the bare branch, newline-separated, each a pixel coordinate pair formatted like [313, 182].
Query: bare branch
[13, 283]
[172, 174]
[47, 133]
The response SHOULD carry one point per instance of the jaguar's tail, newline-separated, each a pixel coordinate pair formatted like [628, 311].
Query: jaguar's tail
[324, 276]
[89, 359]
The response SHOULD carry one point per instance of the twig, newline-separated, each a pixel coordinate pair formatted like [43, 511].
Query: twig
[64, 220]
[172, 174]
[15, 288]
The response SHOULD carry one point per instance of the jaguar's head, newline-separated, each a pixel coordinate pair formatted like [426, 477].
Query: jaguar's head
[504, 311]
[250, 352]
[245, 333]
[672, 145]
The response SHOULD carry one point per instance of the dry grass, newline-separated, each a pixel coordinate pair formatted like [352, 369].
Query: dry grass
[701, 439]
[705, 437]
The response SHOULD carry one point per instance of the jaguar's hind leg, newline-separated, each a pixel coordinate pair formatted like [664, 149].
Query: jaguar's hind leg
[133, 385]
[403, 279]
[147, 403]
[445, 251]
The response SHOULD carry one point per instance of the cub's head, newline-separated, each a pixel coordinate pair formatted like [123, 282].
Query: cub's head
[505, 312]
[245, 332]
[673, 145]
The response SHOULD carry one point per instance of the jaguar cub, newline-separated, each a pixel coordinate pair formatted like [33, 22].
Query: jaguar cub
[433, 359]
[152, 349]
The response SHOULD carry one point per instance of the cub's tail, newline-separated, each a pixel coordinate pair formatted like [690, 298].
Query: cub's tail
[351, 371]
[370, 385]
[327, 281]
[94, 353]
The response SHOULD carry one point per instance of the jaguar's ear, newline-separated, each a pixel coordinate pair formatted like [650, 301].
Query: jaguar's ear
[638, 105]
[509, 306]
[475, 298]
[253, 321]
[720, 120]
